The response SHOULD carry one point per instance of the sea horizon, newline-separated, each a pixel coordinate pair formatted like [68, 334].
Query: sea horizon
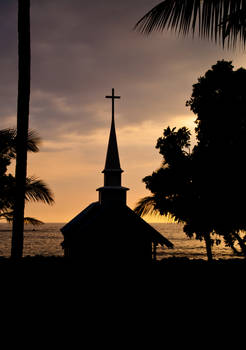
[46, 240]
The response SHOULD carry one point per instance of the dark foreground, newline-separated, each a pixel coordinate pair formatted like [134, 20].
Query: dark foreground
[96, 304]
[174, 282]
[171, 271]
[58, 264]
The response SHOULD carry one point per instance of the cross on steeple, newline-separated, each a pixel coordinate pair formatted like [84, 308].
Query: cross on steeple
[113, 98]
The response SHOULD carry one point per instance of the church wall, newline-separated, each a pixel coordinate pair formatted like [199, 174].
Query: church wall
[118, 246]
[112, 178]
[112, 195]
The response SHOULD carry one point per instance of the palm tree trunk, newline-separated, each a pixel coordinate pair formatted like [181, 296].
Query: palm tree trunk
[208, 246]
[24, 57]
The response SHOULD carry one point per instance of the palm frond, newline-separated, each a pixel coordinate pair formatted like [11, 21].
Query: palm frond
[8, 216]
[32, 221]
[8, 141]
[9, 133]
[33, 141]
[37, 190]
[218, 20]
[146, 205]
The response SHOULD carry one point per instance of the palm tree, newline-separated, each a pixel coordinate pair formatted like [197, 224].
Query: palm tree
[24, 62]
[8, 142]
[219, 20]
[36, 190]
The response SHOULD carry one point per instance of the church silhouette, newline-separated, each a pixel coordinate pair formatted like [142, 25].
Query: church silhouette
[108, 230]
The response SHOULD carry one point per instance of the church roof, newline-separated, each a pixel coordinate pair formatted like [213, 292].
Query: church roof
[81, 220]
[98, 217]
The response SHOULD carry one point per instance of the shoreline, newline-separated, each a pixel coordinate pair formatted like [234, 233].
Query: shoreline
[168, 261]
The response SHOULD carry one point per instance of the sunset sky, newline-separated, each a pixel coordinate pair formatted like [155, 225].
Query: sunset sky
[81, 49]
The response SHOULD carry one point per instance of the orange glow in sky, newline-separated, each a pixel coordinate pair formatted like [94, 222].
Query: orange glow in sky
[80, 51]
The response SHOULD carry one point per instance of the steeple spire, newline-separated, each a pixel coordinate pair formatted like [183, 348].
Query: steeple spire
[112, 158]
[112, 189]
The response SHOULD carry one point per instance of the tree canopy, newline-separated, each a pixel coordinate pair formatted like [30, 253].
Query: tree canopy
[205, 188]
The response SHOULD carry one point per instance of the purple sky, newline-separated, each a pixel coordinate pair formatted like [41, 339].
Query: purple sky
[80, 51]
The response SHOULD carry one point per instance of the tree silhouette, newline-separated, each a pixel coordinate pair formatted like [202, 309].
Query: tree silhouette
[219, 20]
[35, 189]
[205, 188]
[219, 101]
[172, 188]
[24, 62]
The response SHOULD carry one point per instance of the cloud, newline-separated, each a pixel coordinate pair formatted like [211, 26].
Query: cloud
[80, 50]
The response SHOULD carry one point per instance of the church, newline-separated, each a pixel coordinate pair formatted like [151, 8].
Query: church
[108, 230]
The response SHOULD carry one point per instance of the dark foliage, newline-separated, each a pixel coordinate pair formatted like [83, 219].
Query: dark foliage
[35, 189]
[223, 21]
[219, 101]
[206, 188]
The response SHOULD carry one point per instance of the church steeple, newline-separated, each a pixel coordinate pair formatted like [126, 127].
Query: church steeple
[112, 158]
[112, 189]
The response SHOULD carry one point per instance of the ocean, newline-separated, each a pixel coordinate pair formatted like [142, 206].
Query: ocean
[46, 240]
